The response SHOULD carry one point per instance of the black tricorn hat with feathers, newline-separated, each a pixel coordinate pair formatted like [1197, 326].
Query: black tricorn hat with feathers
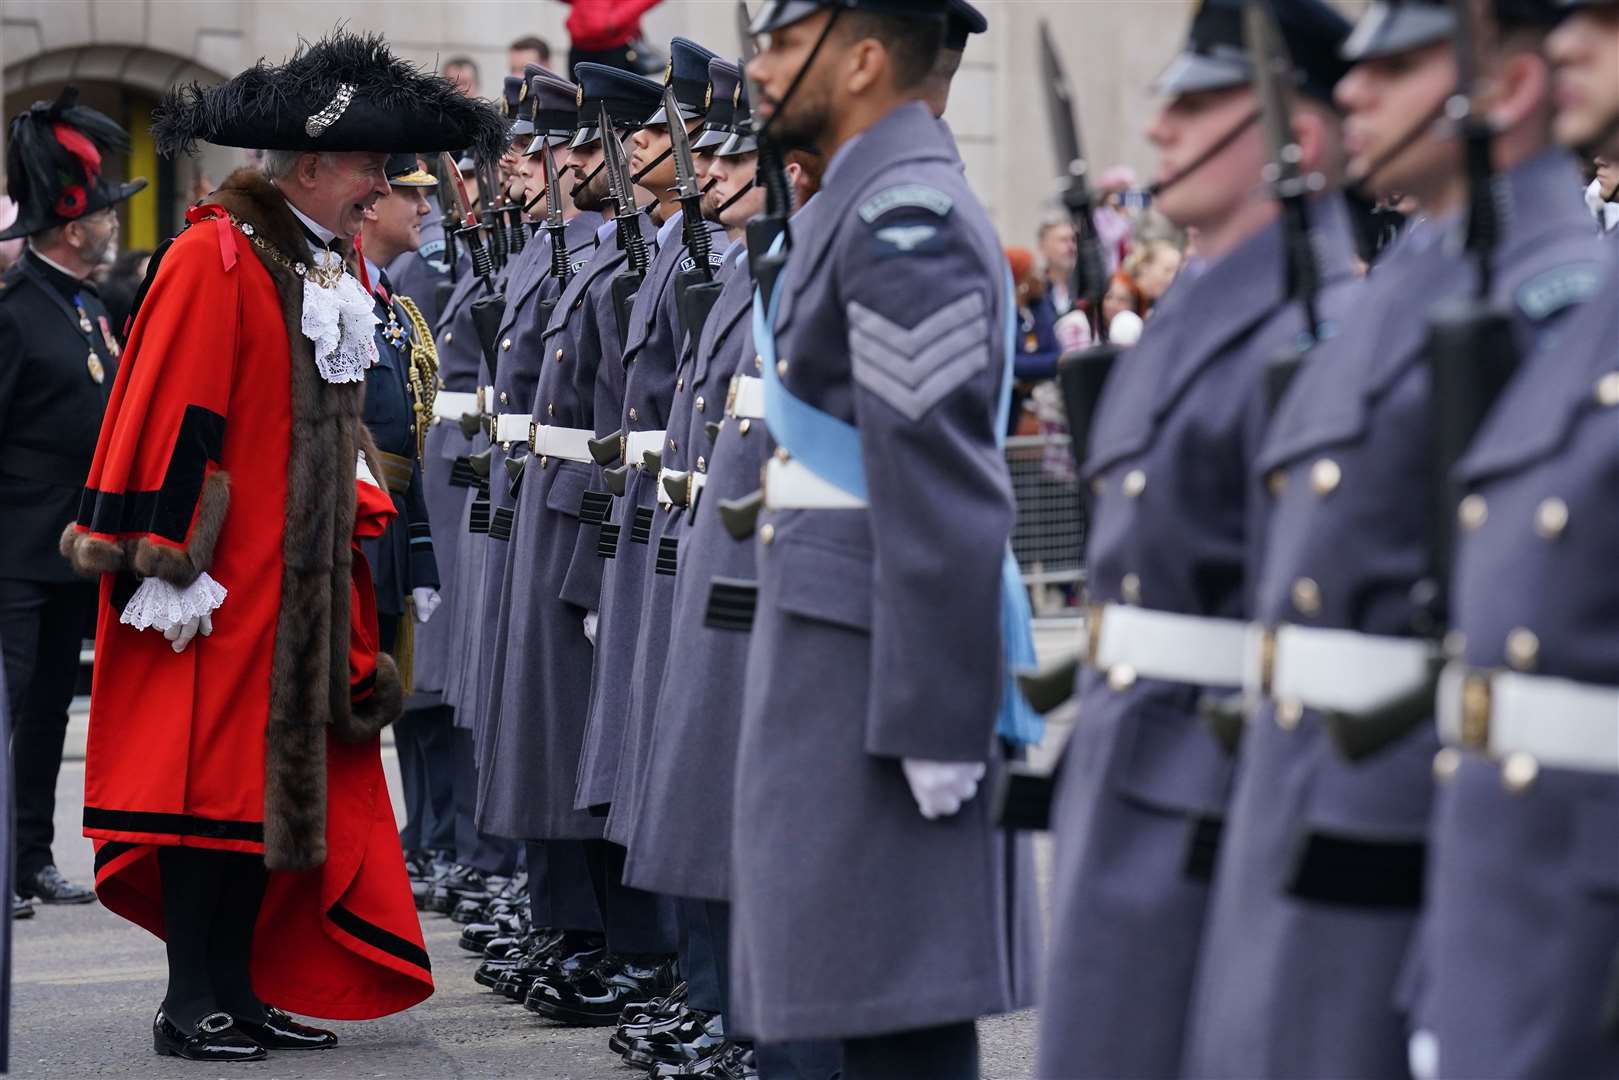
[54, 166]
[344, 92]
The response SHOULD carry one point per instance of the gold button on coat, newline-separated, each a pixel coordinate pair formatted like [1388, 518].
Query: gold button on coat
[1121, 677]
[1325, 475]
[503, 398]
[699, 403]
[550, 410]
[767, 533]
[633, 415]
[1608, 390]
[449, 336]
[781, 369]
[1135, 482]
[1523, 649]
[1551, 518]
[1518, 773]
[1130, 589]
[758, 362]
[559, 354]
[680, 383]
[1472, 511]
[1288, 714]
[507, 344]
[1306, 596]
[702, 463]
[745, 426]
[1445, 763]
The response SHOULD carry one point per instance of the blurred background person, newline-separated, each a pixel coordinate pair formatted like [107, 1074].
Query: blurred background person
[1602, 195]
[609, 32]
[1153, 267]
[1058, 253]
[10, 250]
[1115, 219]
[119, 286]
[525, 51]
[1035, 360]
[463, 72]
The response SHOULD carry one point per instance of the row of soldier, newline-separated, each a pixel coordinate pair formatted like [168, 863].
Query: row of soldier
[747, 740]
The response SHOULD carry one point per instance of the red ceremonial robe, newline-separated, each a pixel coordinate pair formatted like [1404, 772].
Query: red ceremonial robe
[223, 451]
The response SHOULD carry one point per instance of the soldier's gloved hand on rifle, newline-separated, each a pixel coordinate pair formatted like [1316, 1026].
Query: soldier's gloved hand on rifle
[941, 788]
[426, 601]
[591, 618]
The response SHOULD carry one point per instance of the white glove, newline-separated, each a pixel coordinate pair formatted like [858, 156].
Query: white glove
[591, 619]
[180, 634]
[426, 601]
[178, 614]
[942, 787]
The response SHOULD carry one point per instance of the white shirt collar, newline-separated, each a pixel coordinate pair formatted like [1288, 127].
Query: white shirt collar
[326, 235]
[373, 272]
[53, 264]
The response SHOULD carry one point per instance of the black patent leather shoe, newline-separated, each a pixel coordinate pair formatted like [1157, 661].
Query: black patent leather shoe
[48, 886]
[699, 1036]
[217, 1040]
[21, 907]
[595, 998]
[281, 1032]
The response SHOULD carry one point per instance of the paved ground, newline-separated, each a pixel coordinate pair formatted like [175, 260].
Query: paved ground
[87, 983]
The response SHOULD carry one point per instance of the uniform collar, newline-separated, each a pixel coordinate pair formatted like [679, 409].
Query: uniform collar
[669, 226]
[57, 274]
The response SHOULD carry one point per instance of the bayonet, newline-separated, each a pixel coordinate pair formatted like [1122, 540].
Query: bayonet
[1090, 268]
[630, 241]
[695, 289]
[468, 229]
[555, 227]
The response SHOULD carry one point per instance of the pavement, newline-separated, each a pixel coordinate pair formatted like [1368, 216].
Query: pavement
[87, 983]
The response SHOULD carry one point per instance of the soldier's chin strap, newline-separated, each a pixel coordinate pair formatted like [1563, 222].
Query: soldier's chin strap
[734, 199]
[809, 62]
[1416, 131]
[1218, 147]
[653, 164]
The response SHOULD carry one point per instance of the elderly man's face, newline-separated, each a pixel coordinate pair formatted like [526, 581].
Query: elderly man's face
[337, 189]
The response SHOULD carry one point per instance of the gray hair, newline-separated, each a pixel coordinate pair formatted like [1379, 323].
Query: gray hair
[280, 164]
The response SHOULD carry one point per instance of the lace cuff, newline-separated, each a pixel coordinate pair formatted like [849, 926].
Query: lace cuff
[158, 605]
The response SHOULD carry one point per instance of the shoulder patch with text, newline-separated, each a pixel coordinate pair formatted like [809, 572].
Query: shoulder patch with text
[1550, 291]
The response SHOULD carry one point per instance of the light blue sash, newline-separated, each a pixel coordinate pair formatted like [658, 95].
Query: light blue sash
[832, 449]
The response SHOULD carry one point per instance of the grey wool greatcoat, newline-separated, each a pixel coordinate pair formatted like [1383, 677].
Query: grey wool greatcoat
[878, 629]
[529, 284]
[460, 368]
[648, 391]
[463, 688]
[1143, 782]
[541, 683]
[1522, 927]
[650, 348]
[1320, 875]
[681, 841]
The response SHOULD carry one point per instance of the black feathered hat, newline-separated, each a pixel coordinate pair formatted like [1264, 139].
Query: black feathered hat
[53, 164]
[344, 92]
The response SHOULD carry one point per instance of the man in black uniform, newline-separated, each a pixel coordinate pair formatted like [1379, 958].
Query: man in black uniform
[398, 404]
[57, 357]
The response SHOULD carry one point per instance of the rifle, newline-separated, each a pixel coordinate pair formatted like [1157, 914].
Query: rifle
[1081, 375]
[695, 289]
[770, 225]
[556, 231]
[465, 223]
[1291, 186]
[1471, 355]
[493, 209]
[630, 241]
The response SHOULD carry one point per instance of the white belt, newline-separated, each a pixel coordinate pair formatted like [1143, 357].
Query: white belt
[1337, 670]
[454, 404]
[1163, 645]
[1558, 722]
[747, 398]
[694, 482]
[567, 443]
[790, 485]
[638, 443]
[512, 427]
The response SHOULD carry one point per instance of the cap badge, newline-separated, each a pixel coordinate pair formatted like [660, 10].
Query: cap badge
[669, 73]
[579, 96]
[317, 124]
[708, 97]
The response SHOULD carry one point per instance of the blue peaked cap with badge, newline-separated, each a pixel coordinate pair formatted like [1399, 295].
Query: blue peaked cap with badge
[721, 121]
[556, 108]
[779, 13]
[630, 99]
[1391, 27]
[688, 75]
[961, 22]
[1215, 56]
[525, 101]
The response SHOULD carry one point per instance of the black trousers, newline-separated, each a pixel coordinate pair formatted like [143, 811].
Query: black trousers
[637, 922]
[938, 1053]
[210, 905]
[425, 739]
[42, 625]
[565, 896]
[491, 854]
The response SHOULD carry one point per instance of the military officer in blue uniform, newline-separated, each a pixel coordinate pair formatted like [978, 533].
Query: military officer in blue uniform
[1320, 875]
[58, 355]
[1521, 934]
[398, 403]
[1143, 782]
[615, 950]
[873, 678]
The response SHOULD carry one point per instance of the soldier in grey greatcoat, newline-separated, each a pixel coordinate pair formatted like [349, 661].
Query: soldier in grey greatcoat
[1521, 932]
[1320, 877]
[1143, 782]
[873, 677]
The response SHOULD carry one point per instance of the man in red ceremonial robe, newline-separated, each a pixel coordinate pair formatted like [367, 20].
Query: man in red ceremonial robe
[234, 784]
